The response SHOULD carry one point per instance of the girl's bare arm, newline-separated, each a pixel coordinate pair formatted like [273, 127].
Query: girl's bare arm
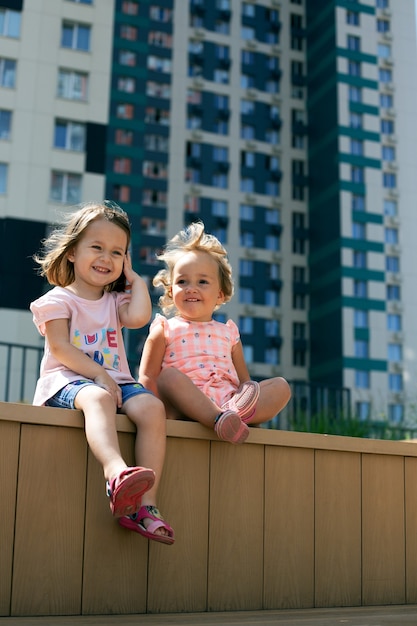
[137, 312]
[152, 357]
[239, 362]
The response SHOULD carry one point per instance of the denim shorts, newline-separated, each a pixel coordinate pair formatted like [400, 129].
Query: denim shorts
[65, 397]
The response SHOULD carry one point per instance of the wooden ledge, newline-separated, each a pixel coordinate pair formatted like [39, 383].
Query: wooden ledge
[28, 414]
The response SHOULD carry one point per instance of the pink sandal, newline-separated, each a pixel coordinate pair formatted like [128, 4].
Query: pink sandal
[135, 522]
[126, 490]
[229, 427]
[243, 402]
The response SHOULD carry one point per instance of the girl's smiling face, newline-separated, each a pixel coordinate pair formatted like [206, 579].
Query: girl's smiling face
[98, 258]
[196, 286]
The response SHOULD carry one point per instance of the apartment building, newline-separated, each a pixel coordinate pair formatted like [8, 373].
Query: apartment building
[287, 126]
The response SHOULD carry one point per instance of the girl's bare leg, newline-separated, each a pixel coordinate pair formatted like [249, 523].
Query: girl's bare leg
[183, 398]
[100, 428]
[275, 394]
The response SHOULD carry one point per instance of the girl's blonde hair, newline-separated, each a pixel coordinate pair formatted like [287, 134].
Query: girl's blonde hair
[190, 239]
[53, 261]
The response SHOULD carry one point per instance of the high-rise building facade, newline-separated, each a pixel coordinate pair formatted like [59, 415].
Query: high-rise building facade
[286, 126]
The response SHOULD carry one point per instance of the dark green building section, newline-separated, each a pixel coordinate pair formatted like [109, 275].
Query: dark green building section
[324, 201]
[20, 282]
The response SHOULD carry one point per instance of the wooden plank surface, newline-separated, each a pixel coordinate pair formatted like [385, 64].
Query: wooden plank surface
[337, 529]
[48, 556]
[236, 519]
[383, 537]
[111, 551]
[178, 573]
[289, 528]
[411, 529]
[9, 460]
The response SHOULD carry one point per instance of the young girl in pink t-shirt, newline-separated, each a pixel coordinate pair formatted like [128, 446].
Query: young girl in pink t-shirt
[84, 364]
[195, 363]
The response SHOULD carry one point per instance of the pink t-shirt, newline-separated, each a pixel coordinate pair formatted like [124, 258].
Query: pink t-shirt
[203, 351]
[94, 328]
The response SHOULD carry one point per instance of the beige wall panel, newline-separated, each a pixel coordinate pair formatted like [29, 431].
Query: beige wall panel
[289, 528]
[111, 551]
[47, 574]
[236, 527]
[178, 573]
[410, 529]
[338, 566]
[9, 458]
[383, 544]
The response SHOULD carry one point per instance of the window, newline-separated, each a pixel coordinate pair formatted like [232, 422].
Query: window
[75, 36]
[156, 116]
[126, 84]
[386, 100]
[219, 208]
[3, 177]
[393, 293]
[160, 14]
[272, 356]
[247, 212]
[221, 76]
[7, 73]
[158, 64]
[352, 18]
[248, 353]
[245, 295]
[271, 297]
[361, 349]
[391, 235]
[395, 382]
[122, 165]
[247, 131]
[360, 319]
[247, 239]
[130, 8]
[387, 127]
[125, 111]
[382, 26]
[82, 1]
[358, 202]
[357, 174]
[245, 267]
[356, 147]
[395, 352]
[355, 120]
[272, 242]
[69, 135]
[158, 90]
[272, 328]
[130, 33]
[355, 94]
[9, 23]
[389, 180]
[385, 76]
[392, 264]
[219, 180]
[248, 159]
[363, 411]
[360, 288]
[354, 68]
[72, 85]
[127, 57]
[246, 32]
[248, 9]
[5, 124]
[247, 185]
[362, 379]
[159, 39]
[384, 51]
[388, 153]
[359, 259]
[65, 188]
[394, 322]
[395, 413]
[246, 325]
[353, 43]
[358, 230]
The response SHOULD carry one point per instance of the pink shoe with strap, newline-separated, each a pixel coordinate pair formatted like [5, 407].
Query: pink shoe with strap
[127, 488]
[243, 402]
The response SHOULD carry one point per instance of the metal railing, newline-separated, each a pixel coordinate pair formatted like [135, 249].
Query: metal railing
[19, 371]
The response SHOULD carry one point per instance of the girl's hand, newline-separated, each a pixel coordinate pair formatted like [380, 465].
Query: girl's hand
[105, 381]
[128, 271]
